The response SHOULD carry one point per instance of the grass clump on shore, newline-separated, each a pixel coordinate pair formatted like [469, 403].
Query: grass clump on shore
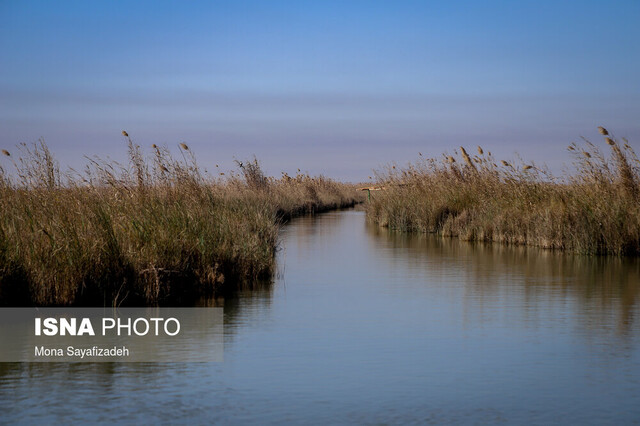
[158, 230]
[478, 198]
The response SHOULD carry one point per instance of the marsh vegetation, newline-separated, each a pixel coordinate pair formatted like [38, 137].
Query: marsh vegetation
[156, 230]
[476, 197]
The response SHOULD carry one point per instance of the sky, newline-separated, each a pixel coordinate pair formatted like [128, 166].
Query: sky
[331, 87]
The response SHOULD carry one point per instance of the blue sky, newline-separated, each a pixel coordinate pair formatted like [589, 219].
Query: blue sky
[333, 87]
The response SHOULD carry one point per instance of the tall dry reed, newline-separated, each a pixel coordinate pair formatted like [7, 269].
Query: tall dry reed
[595, 211]
[155, 230]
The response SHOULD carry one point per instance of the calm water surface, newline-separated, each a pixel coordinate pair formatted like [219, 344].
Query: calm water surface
[371, 327]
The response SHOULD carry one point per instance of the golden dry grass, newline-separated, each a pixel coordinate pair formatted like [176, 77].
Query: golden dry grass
[157, 230]
[595, 211]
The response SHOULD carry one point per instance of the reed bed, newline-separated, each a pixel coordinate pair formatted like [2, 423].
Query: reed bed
[475, 197]
[158, 230]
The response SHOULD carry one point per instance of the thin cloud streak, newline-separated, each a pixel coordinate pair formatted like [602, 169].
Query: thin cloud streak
[305, 128]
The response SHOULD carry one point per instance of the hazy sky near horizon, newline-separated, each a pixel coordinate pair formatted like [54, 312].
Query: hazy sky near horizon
[333, 87]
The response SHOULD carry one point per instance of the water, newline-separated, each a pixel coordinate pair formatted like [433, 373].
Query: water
[367, 326]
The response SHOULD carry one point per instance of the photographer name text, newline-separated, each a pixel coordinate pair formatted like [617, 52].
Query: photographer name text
[92, 352]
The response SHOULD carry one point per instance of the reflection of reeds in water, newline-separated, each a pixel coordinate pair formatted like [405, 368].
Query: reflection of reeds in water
[595, 211]
[153, 231]
[601, 287]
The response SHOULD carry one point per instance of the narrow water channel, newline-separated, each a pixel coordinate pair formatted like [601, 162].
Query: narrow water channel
[367, 326]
